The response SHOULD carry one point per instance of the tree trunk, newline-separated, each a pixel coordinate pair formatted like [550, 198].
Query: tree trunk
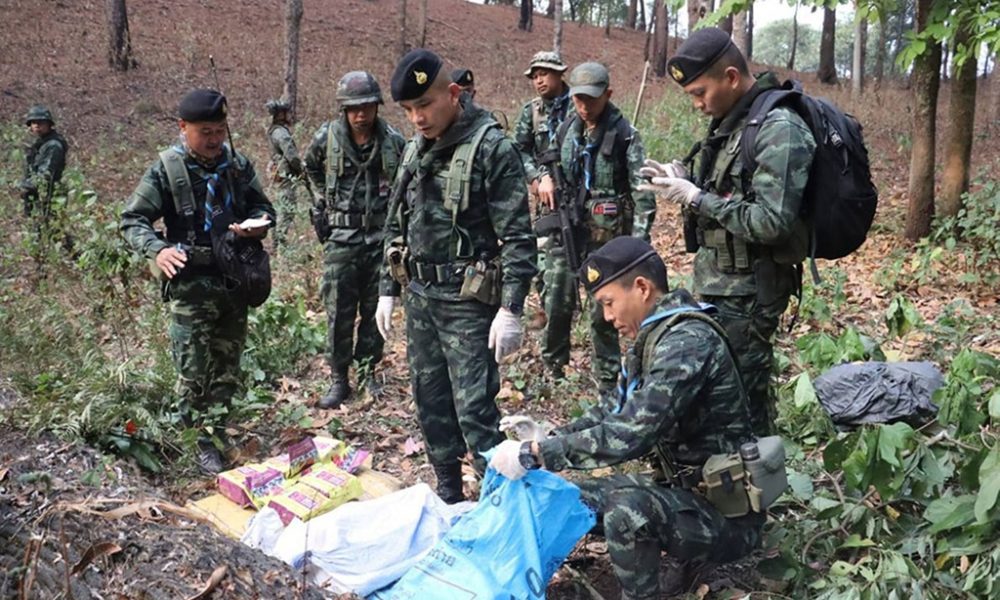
[696, 10]
[650, 40]
[740, 32]
[607, 19]
[557, 27]
[880, 49]
[958, 140]
[293, 21]
[795, 38]
[662, 26]
[925, 82]
[633, 12]
[642, 15]
[726, 24]
[422, 36]
[858, 59]
[550, 10]
[827, 72]
[402, 28]
[524, 24]
[749, 55]
[119, 42]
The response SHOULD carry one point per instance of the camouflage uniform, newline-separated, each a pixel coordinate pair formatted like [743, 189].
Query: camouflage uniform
[44, 162]
[750, 248]
[686, 404]
[453, 374]
[284, 168]
[355, 203]
[208, 324]
[614, 175]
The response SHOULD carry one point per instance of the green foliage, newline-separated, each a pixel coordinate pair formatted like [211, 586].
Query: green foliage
[279, 336]
[974, 235]
[961, 400]
[671, 127]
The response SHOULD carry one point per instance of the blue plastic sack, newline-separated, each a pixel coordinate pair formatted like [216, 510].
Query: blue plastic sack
[509, 546]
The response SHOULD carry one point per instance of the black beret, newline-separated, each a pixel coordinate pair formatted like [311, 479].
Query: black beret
[614, 259]
[697, 54]
[414, 74]
[462, 77]
[202, 105]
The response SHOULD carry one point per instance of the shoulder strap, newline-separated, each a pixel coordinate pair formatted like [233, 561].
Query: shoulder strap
[666, 320]
[334, 157]
[536, 114]
[390, 159]
[456, 193]
[763, 104]
[180, 187]
[564, 128]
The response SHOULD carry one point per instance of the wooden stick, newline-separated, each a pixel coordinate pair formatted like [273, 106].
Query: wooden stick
[642, 90]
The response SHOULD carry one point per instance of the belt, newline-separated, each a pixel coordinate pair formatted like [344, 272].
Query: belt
[355, 220]
[435, 273]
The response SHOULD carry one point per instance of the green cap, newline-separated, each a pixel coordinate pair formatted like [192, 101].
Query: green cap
[589, 79]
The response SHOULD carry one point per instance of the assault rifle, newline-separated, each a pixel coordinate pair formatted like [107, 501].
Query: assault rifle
[566, 221]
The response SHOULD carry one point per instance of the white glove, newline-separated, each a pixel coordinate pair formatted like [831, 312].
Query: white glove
[505, 333]
[383, 315]
[651, 168]
[674, 189]
[525, 428]
[507, 459]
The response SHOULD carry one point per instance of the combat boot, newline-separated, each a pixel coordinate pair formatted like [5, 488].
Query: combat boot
[449, 482]
[338, 393]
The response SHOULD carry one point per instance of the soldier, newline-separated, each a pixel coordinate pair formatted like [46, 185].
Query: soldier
[601, 154]
[464, 79]
[351, 163]
[749, 245]
[537, 126]
[44, 163]
[284, 168]
[195, 186]
[459, 237]
[679, 399]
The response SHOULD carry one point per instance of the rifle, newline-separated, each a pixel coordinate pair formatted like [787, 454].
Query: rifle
[567, 219]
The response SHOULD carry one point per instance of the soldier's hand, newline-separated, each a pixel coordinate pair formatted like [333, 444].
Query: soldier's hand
[506, 459]
[674, 189]
[505, 334]
[170, 260]
[383, 315]
[547, 191]
[249, 232]
[651, 168]
[525, 428]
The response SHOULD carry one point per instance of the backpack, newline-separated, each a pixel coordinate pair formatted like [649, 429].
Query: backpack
[840, 199]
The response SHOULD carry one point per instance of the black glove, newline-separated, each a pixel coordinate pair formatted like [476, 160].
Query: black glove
[321, 224]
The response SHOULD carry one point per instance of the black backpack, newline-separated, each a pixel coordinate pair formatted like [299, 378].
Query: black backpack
[840, 198]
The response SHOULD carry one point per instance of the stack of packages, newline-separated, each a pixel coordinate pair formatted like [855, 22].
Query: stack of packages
[313, 477]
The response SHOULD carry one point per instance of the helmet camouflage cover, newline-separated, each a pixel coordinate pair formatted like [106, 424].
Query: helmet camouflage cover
[275, 106]
[38, 113]
[358, 87]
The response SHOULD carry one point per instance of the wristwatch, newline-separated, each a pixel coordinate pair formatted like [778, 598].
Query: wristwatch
[515, 309]
[527, 458]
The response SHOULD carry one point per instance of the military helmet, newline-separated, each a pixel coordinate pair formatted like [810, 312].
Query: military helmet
[38, 113]
[276, 106]
[358, 87]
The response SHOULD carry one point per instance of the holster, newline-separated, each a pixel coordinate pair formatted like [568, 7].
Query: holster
[482, 282]
[397, 256]
[691, 244]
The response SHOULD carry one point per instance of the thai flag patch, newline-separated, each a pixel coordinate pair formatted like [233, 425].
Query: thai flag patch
[608, 209]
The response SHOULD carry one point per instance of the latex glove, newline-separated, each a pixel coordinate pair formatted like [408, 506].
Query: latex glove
[651, 168]
[383, 315]
[525, 428]
[505, 333]
[506, 459]
[674, 189]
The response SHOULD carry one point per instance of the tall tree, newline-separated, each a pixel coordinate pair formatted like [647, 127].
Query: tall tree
[662, 26]
[795, 38]
[524, 23]
[827, 72]
[293, 21]
[858, 58]
[422, 35]
[557, 29]
[925, 84]
[883, 24]
[749, 53]
[632, 13]
[119, 42]
[961, 122]
[401, 50]
[740, 33]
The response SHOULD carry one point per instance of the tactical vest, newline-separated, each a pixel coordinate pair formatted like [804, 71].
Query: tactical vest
[181, 189]
[335, 158]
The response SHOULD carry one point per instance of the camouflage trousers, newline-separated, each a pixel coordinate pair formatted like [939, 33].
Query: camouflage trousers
[560, 298]
[208, 329]
[640, 518]
[750, 325]
[285, 195]
[453, 375]
[350, 288]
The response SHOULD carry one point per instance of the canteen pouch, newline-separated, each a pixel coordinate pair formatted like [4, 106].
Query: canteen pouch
[482, 282]
[723, 481]
[766, 476]
[606, 217]
[396, 257]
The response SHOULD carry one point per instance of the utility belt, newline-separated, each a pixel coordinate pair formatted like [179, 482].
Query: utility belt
[739, 483]
[348, 220]
[732, 254]
[480, 279]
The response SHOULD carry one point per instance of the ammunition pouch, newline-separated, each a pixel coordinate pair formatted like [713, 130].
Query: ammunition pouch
[482, 282]
[732, 253]
[690, 232]
[397, 256]
[608, 217]
[321, 224]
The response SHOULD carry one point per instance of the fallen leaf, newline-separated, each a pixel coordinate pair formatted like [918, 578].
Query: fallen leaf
[412, 447]
[95, 551]
[213, 581]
